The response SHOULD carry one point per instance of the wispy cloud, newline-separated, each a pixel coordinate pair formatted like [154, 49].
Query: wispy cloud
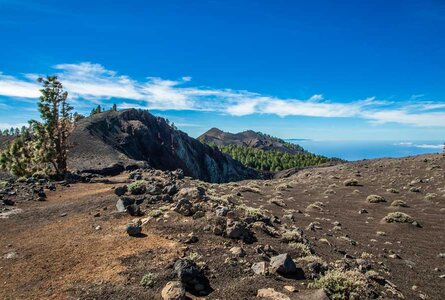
[424, 146]
[89, 83]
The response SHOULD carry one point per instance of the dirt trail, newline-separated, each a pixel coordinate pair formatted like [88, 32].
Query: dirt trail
[52, 253]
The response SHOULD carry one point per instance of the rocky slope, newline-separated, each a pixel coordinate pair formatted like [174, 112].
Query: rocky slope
[248, 138]
[365, 230]
[112, 141]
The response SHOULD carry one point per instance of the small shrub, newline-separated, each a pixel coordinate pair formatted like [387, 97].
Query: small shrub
[40, 175]
[399, 203]
[148, 280]
[138, 187]
[22, 179]
[430, 196]
[342, 285]
[255, 213]
[392, 190]
[350, 182]
[375, 199]
[398, 217]
[303, 249]
[3, 184]
[194, 256]
[155, 213]
[315, 206]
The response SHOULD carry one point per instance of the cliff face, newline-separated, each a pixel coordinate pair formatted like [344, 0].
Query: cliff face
[248, 138]
[136, 137]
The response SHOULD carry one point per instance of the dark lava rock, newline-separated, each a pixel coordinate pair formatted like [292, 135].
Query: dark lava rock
[120, 190]
[194, 280]
[134, 229]
[8, 202]
[239, 231]
[184, 207]
[283, 265]
[134, 210]
[170, 189]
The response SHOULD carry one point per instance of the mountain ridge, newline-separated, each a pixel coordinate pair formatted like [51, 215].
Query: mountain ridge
[135, 138]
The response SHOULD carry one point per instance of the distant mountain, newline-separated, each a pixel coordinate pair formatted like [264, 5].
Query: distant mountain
[250, 139]
[133, 137]
[262, 151]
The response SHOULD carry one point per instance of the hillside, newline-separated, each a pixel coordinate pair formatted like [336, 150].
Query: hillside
[250, 139]
[263, 152]
[110, 142]
[365, 230]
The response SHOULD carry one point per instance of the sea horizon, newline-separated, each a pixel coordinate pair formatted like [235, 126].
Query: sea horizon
[361, 149]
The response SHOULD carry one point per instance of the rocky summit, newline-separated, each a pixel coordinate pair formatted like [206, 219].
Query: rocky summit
[322, 233]
[111, 142]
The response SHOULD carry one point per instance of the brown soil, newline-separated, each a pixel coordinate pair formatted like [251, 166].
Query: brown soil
[65, 257]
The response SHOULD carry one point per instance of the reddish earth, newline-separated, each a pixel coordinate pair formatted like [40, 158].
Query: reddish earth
[49, 255]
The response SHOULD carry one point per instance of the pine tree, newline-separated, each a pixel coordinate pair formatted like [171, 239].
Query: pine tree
[50, 136]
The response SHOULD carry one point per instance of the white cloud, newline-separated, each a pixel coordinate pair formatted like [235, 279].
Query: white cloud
[424, 146]
[13, 87]
[89, 83]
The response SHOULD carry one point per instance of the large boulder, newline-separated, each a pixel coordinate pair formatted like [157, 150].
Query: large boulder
[283, 265]
[184, 207]
[173, 290]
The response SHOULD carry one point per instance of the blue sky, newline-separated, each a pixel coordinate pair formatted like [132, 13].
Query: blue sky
[326, 70]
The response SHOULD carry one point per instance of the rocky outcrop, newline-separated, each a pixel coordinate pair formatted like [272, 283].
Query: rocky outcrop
[114, 141]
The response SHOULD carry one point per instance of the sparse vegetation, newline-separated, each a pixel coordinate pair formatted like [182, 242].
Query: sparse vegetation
[399, 203]
[398, 217]
[148, 280]
[375, 199]
[138, 187]
[342, 284]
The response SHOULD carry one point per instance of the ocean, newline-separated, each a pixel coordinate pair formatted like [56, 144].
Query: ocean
[357, 150]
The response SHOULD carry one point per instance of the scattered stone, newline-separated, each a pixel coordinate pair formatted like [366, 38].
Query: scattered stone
[123, 202]
[170, 189]
[259, 268]
[290, 288]
[134, 228]
[362, 211]
[184, 207]
[192, 277]
[238, 230]
[8, 202]
[173, 290]
[415, 189]
[96, 215]
[192, 238]
[237, 251]
[134, 210]
[221, 211]
[282, 264]
[393, 191]
[120, 190]
[271, 294]
[63, 215]
[350, 182]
